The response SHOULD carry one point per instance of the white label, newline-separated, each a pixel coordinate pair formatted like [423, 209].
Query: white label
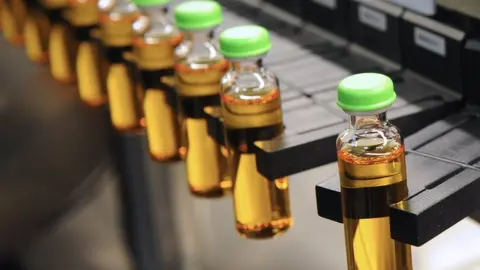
[426, 7]
[372, 18]
[331, 4]
[430, 41]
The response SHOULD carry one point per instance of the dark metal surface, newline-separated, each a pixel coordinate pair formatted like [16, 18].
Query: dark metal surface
[51, 147]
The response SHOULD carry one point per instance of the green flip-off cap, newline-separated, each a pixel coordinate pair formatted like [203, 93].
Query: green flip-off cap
[193, 15]
[365, 92]
[245, 41]
[149, 3]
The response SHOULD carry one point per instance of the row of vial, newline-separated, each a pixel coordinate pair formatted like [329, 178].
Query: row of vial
[166, 81]
[163, 77]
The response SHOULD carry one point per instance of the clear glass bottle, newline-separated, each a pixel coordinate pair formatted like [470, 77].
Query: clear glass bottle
[37, 33]
[251, 111]
[14, 14]
[124, 97]
[372, 169]
[199, 68]
[62, 47]
[153, 48]
[83, 15]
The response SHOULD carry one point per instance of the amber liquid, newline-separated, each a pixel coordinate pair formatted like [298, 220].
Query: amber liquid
[205, 161]
[162, 122]
[62, 49]
[90, 74]
[368, 242]
[262, 207]
[13, 21]
[125, 98]
[124, 94]
[36, 34]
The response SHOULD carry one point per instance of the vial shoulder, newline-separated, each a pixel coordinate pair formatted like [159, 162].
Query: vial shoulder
[154, 32]
[193, 52]
[140, 25]
[373, 140]
[262, 79]
[116, 9]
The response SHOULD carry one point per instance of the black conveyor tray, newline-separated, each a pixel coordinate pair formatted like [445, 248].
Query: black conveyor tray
[309, 67]
[443, 174]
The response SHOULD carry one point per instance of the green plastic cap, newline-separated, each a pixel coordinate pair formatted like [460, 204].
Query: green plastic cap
[149, 3]
[245, 41]
[193, 15]
[365, 92]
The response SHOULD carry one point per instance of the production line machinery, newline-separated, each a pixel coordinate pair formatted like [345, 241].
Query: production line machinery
[443, 50]
[436, 106]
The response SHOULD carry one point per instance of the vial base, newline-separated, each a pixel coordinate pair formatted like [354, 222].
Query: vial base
[162, 126]
[205, 162]
[262, 207]
[167, 158]
[62, 49]
[36, 31]
[264, 231]
[89, 73]
[124, 100]
[11, 30]
[2, 7]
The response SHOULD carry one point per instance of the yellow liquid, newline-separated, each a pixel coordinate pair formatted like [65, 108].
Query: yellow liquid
[13, 21]
[262, 207]
[206, 164]
[162, 126]
[162, 123]
[2, 4]
[123, 99]
[368, 242]
[36, 33]
[124, 94]
[91, 84]
[62, 50]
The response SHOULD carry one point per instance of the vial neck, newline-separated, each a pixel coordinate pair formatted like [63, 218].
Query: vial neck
[250, 64]
[157, 15]
[199, 36]
[122, 4]
[368, 121]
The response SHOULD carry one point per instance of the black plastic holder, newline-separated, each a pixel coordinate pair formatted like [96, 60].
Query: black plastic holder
[312, 119]
[442, 191]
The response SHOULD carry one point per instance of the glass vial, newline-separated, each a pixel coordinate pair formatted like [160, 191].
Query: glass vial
[251, 111]
[116, 19]
[155, 39]
[199, 68]
[14, 14]
[372, 169]
[62, 46]
[36, 33]
[84, 17]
